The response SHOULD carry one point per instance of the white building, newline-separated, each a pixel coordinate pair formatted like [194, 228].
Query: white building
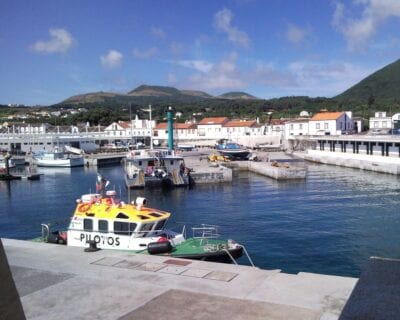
[380, 122]
[330, 123]
[182, 131]
[211, 128]
[275, 127]
[236, 128]
[296, 127]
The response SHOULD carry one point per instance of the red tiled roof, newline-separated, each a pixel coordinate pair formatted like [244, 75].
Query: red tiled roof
[214, 120]
[124, 124]
[164, 125]
[327, 116]
[240, 123]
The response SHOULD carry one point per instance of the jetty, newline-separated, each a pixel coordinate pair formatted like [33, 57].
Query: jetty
[55, 281]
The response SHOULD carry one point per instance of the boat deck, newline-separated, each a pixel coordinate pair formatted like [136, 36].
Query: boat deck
[64, 282]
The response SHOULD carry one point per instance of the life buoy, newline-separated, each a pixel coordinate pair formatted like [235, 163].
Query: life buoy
[84, 207]
[108, 201]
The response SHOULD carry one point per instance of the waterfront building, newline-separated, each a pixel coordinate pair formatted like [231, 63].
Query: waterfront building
[331, 123]
[211, 128]
[237, 128]
[275, 127]
[182, 131]
[380, 122]
[296, 127]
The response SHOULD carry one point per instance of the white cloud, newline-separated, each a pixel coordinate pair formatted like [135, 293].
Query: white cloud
[358, 31]
[268, 75]
[223, 75]
[325, 79]
[60, 42]
[171, 79]
[296, 34]
[176, 48]
[112, 59]
[199, 65]
[157, 32]
[223, 23]
[145, 54]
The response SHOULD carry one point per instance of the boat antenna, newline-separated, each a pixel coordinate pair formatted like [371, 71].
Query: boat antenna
[151, 126]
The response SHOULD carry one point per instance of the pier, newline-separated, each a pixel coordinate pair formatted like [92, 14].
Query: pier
[56, 281]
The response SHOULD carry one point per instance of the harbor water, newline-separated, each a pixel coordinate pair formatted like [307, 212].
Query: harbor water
[330, 223]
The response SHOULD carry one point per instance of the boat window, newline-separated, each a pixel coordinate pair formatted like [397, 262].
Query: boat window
[88, 224]
[124, 228]
[160, 224]
[154, 214]
[103, 226]
[122, 216]
[140, 163]
[147, 227]
[142, 217]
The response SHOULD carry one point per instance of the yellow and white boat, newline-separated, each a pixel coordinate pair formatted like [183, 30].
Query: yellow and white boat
[102, 221]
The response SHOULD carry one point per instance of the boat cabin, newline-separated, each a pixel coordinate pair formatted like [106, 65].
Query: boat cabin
[111, 223]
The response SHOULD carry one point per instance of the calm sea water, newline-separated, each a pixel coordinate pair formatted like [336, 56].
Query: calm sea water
[331, 223]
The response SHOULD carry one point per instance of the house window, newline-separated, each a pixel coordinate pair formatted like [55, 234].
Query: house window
[301, 126]
[317, 126]
[326, 125]
[376, 124]
[384, 124]
[291, 127]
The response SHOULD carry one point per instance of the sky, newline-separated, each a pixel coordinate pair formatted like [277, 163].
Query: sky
[51, 50]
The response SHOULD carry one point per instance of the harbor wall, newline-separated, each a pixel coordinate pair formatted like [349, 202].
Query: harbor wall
[212, 175]
[267, 169]
[358, 161]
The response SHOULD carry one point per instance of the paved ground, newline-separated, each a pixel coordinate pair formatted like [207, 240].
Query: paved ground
[66, 283]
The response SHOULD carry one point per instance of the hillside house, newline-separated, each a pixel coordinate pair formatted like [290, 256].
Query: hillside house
[331, 123]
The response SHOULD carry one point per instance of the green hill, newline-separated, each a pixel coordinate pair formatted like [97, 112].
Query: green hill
[154, 91]
[92, 97]
[237, 95]
[381, 87]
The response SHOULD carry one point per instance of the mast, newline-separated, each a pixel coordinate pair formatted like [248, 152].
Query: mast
[151, 129]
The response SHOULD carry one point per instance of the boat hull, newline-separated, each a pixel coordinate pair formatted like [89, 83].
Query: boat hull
[235, 154]
[61, 163]
[218, 256]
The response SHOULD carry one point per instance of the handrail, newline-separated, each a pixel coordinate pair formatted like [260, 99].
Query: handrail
[230, 256]
[248, 256]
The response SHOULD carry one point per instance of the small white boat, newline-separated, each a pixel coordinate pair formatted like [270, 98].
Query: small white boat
[58, 158]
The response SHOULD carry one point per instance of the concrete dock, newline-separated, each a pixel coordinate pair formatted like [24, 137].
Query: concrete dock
[276, 165]
[60, 282]
[350, 160]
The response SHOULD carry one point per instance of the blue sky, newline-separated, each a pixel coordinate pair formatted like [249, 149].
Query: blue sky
[50, 50]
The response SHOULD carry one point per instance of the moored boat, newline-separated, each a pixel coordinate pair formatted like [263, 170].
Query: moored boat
[58, 158]
[154, 167]
[104, 221]
[233, 150]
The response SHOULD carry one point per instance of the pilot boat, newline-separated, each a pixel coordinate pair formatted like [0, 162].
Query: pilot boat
[102, 221]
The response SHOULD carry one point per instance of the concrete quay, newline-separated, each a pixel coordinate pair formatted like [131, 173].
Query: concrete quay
[60, 282]
[285, 168]
[359, 161]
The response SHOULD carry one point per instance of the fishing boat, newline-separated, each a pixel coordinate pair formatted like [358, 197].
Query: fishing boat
[58, 158]
[233, 150]
[102, 221]
[154, 167]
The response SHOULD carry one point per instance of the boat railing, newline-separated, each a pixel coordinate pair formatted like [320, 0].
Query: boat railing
[205, 232]
[47, 228]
